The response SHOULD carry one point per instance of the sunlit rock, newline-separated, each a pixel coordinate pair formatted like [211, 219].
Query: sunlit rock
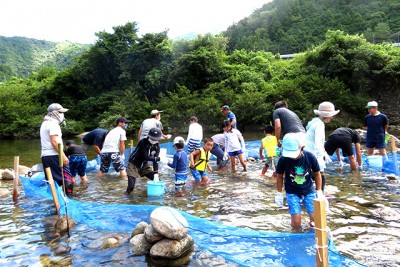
[4, 192]
[23, 170]
[139, 229]
[61, 224]
[7, 174]
[111, 242]
[169, 222]
[152, 235]
[139, 245]
[169, 248]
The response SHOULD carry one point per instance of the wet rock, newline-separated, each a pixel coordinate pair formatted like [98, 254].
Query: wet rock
[184, 260]
[110, 243]
[4, 192]
[363, 134]
[7, 174]
[60, 250]
[139, 229]
[152, 236]
[23, 170]
[61, 224]
[139, 245]
[169, 248]
[169, 223]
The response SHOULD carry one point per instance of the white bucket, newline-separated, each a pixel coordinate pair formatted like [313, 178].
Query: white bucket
[375, 162]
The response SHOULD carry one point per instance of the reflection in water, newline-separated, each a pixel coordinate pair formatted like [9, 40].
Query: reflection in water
[364, 218]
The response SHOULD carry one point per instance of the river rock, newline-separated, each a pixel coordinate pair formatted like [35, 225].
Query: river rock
[139, 229]
[170, 248]
[7, 174]
[108, 241]
[183, 260]
[61, 224]
[363, 134]
[152, 236]
[23, 170]
[139, 245]
[169, 223]
[4, 192]
[111, 242]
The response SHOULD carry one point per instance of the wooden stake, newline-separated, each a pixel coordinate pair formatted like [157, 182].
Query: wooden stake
[53, 189]
[16, 179]
[321, 232]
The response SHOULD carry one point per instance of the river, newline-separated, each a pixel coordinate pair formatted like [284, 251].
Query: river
[364, 214]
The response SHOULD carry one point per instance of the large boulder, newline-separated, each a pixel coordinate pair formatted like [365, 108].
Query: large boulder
[139, 245]
[152, 235]
[139, 229]
[23, 170]
[172, 249]
[169, 223]
[7, 174]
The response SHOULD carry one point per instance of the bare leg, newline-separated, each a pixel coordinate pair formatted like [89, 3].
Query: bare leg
[353, 163]
[240, 156]
[233, 163]
[122, 174]
[84, 179]
[264, 170]
[99, 174]
[370, 151]
[296, 221]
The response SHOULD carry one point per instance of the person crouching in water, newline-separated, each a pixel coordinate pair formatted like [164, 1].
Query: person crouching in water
[147, 150]
[199, 161]
[179, 164]
[77, 160]
[234, 145]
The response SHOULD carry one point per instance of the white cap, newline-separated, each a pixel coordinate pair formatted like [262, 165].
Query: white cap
[372, 104]
[56, 107]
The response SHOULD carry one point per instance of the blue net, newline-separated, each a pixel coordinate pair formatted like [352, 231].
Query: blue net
[245, 247]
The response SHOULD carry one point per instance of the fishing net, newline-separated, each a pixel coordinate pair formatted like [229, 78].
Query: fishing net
[245, 247]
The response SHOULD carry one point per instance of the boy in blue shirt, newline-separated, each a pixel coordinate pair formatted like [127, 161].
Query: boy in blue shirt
[179, 164]
[295, 170]
[377, 124]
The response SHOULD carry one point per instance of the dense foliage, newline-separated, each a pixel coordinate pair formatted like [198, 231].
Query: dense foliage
[292, 26]
[20, 56]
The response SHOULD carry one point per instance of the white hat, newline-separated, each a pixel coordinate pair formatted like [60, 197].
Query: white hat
[372, 104]
[292, 145]
[56, 107]
[326, 110]
[155, 111]
[179, 139]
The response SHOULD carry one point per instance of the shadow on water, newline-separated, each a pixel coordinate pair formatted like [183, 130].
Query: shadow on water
[364, 218]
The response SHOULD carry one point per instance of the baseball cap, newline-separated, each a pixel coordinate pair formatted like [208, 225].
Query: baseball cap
[225, 108]
[155, 111]
[123, 119]
[292, 145]
[69, 142]
[372, 104]
[56, 107]
[155, 134]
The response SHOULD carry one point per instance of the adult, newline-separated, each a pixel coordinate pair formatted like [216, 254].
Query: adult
[94, 138]
[315, 135]
[50, 137]
[114, 148]
[344, 138]
[154, 122]
[218, 150]
[230, 116]
[286, 121]
[377, 124]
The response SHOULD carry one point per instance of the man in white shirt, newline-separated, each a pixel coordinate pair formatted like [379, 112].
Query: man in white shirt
[154, 122]
[114, 148]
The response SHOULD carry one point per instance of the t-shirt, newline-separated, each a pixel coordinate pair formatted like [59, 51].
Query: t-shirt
[145, 152]
[95, 137]
[112, 141]
[298, 173]
[219, 139]
[234, 141]
[180, 162]
[290, 122]
[147, 124]
[195, 132]
[48, 128]
[376, 127]
[347, 133]
[315, 140]
[75, 151]
[231, 116]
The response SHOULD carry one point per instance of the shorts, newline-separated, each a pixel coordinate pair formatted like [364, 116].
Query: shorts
[114, 158]
[53, 163]
[268, 161]
[180, 181]
[235, 153]
[77, 165]
[197, 175]
[193, 144]
[338, 141]
[375, 144]
[294, 202]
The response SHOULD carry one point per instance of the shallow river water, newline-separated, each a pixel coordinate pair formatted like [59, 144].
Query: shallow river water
[364, 215]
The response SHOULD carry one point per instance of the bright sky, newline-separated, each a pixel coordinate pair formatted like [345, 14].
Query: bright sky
[79, 20]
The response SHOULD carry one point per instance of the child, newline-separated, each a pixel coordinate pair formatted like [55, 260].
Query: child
[377, 124]
[195, 135]
[295, 170]
[234, 145]
[147, 150]
[199, 161]
[77, 160]
[179, 164]
[270, 145]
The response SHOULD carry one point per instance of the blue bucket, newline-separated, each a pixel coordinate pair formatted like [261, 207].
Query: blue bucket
[375, 162]
[155, 188]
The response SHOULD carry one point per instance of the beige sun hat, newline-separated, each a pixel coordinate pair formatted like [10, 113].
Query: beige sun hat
[326, 109]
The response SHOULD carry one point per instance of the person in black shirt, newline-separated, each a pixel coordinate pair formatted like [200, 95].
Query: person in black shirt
[77, 160]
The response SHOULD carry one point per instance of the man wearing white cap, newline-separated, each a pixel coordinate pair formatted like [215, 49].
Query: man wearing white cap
[50, 137]
[377, 124]
[154, 122]
[295, 170]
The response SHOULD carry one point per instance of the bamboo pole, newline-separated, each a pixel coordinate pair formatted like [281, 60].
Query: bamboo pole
[53, 189]
[16, 179]
[321, 233]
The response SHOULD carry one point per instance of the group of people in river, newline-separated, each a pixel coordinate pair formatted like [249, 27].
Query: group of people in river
[298, 159]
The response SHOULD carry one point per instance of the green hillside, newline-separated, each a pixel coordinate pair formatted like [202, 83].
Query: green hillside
[292, 26]
[19, 56]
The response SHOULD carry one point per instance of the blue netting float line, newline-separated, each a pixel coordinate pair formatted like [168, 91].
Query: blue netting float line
[245, 247]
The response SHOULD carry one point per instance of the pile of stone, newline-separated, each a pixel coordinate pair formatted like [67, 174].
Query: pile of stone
[165, 237]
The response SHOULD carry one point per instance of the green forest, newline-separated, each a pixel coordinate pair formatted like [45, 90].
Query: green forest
[124, 74]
